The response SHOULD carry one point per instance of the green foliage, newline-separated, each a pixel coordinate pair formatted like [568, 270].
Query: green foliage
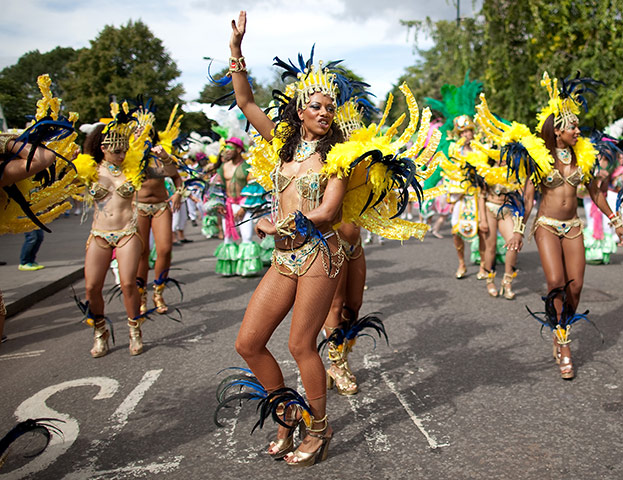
[123, 62]
[18, 83]
[509, 45]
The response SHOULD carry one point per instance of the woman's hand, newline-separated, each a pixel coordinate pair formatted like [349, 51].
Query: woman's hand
[238, 31]
[483, 226]
[264, 227]
[176, 201]
[160, 152]
[515, 243]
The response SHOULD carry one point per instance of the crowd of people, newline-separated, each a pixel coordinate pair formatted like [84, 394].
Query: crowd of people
[315, 176]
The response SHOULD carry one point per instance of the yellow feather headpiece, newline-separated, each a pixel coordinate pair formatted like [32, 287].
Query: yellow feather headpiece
[118, 130]
[314, 80]
[565, 110]
[349, 118]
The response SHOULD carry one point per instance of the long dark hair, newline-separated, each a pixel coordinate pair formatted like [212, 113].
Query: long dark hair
[291, 135]
[93, 143]
[549, 136]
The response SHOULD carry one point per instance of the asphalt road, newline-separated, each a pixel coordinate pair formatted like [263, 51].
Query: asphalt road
[467, 388]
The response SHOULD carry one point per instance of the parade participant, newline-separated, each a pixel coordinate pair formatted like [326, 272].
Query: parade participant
[556, 162]
[236, 259]
[154, 206]
[32, 190]
[308, 195]
[112, 169]
[495, 204]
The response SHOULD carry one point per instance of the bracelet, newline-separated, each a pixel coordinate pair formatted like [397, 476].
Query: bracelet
[5, 138]
[236, 65]
[284, 227]
[169, 160]
[611, 216]
[616, 221]
[518, 225]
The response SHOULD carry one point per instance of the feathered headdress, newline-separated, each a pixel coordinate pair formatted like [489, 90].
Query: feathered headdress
[117, 131]
[564, 103]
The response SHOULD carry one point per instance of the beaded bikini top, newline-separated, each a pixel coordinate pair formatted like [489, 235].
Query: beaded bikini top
[555, 179]
[99, 192]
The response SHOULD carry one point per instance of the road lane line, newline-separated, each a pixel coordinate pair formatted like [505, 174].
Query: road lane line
[432, 443]
[17, 356]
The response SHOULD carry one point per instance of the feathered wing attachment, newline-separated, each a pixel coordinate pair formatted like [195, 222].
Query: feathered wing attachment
[237, 387]
[37, 200]
[606, 147]
[379, 176]
[172, 131]
[559, 325]
[40, 426]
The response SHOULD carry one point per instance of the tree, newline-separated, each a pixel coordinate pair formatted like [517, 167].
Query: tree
[456, 49]
[123, 62]
[18, 83]
[510, 44]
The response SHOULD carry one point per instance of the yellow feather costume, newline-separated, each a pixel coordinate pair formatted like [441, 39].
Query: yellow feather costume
[49, 202]
[503, 134]
[363, 180]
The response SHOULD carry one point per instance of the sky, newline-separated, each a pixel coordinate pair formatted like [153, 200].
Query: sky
[366, 34]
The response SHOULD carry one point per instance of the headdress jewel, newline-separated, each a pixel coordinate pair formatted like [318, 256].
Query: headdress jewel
[313, 80]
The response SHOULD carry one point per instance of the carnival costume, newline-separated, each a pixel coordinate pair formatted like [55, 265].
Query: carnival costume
[168, 139]
[242, 259]
[124, 182]
[527, 157]
[30, 203]
[375, 196]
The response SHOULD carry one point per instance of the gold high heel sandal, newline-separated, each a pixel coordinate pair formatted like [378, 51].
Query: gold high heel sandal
[136, 336]
[100, 338]
[285, 445]
[491, 288]
[161, 307]
[306, 459]
[339, 374]
[565, 365]
[507, 283]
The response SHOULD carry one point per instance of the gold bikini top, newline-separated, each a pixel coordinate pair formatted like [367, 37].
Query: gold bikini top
[555, 179]
[310, 186]
[99, 192]
[498, 189]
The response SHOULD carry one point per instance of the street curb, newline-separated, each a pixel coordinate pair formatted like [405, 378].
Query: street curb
[29, 300]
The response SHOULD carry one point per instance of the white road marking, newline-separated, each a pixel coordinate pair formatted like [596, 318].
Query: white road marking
[17, 356]
[35, 407]
[432, 443]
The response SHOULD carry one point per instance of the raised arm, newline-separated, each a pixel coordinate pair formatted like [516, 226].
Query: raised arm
[15, 169]
[242, 89]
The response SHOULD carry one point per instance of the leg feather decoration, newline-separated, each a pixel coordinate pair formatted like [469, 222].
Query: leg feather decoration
[246, 386]
[560, 325]
[279, 401]
[352, 329]
[38, 425]
[90, 319]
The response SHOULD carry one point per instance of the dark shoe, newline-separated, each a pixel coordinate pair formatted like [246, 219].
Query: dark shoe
[4, 339]
[194, 223]
[186, 240]
[177, 244]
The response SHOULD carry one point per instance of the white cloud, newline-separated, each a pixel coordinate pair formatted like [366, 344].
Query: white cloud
[366, 33]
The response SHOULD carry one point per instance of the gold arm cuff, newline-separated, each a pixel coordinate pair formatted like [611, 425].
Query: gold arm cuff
[236, 65]
[518, 225]
[5, 138]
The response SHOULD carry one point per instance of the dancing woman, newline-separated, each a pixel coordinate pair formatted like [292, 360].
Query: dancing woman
[112, 173]
[563, 160]
[154, 207]
[497, 199]
[303, 276]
